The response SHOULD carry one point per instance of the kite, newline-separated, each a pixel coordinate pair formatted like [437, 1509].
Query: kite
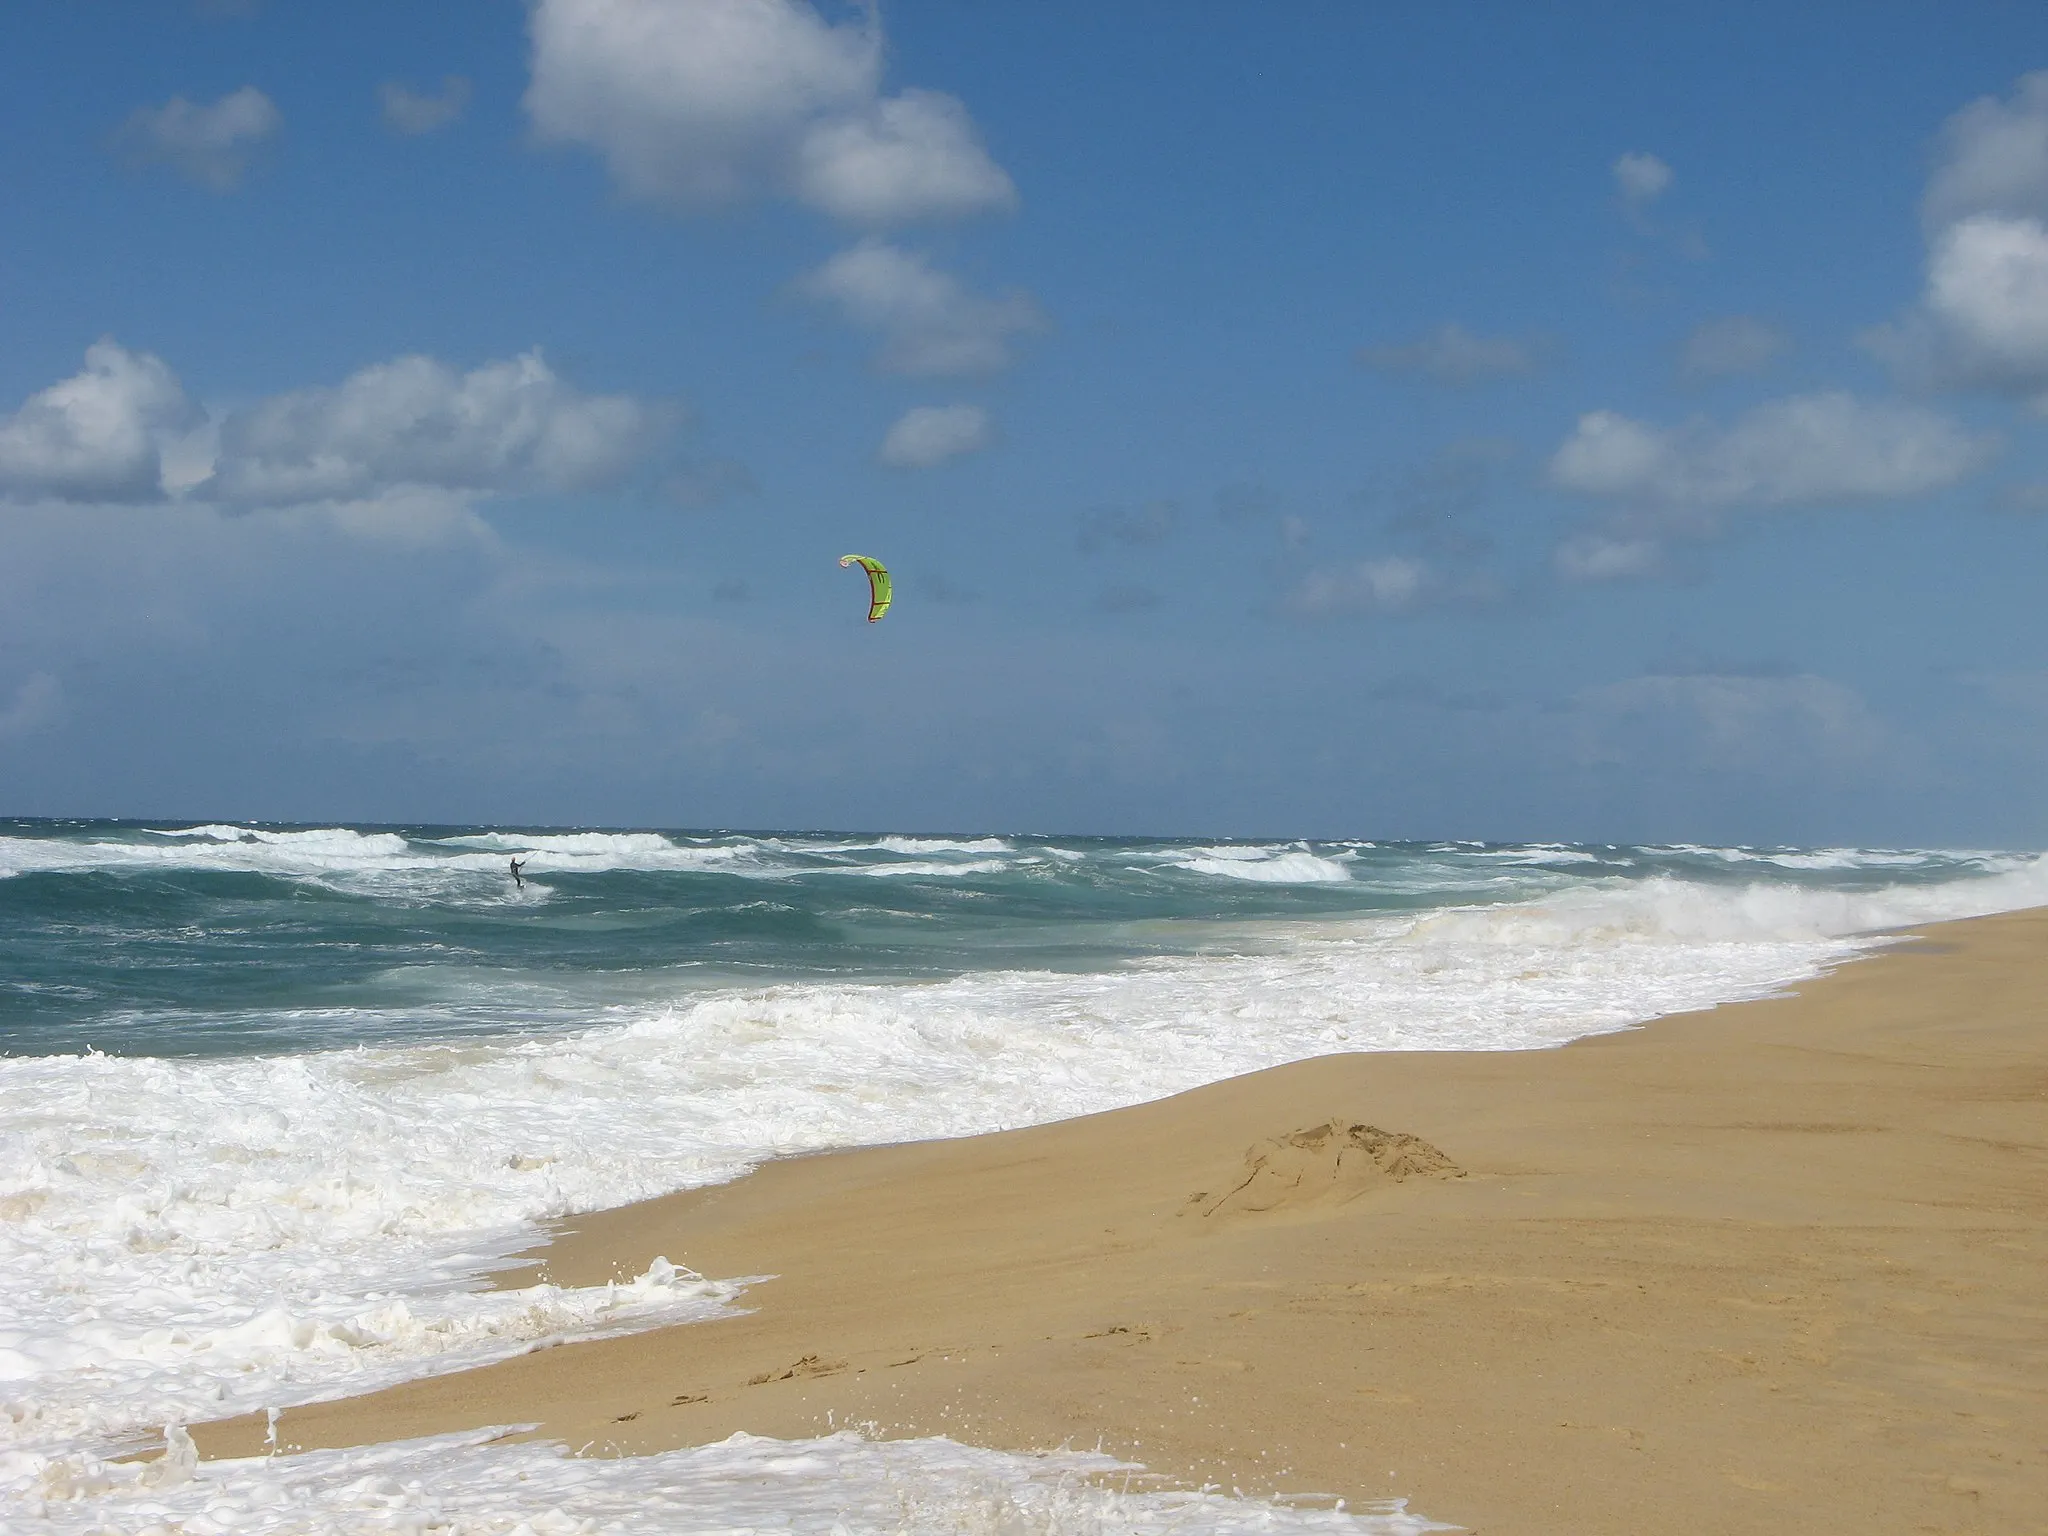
[878, 583]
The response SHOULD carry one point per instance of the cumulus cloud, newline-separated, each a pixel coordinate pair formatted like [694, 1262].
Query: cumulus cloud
[1641, 178]
[926, 435]
[928, 321]
[694, 103]
[1982, 322]
[510, 426]
[98, 435]
[1453, 355]
[1800, 450]
[416, 112]
[1733, 345]
[1385, 585]
[211, 145]
[1994, 158]
[421, 436]
[912, 156]
[1987, 290]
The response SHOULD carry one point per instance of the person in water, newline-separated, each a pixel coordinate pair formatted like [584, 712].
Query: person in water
[518, 879]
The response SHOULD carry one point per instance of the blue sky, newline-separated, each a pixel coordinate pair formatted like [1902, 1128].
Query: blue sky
[1505, 421]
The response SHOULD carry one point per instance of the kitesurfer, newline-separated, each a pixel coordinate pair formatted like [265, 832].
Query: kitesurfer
[518, 879]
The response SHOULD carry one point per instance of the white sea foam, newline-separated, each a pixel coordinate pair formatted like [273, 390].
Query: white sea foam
[929, 868]
[942, 845]
[602, 845]
[1542, 854]
[469, 866]
[1292, 865]
[838, 1485]
[382, 864]
[315, 851]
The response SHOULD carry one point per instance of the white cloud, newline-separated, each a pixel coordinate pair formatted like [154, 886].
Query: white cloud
[1994, 158]
[212, 145]
[98, 435]
[1641, 178]
[1982, 322]
[1987, 292]
[913, 156]
[697, 101]
[1453, 355]
[1799, 450]
[928, 322]
[1385, 585]
[123, 431]
[700, 102]
[507, 426]
[415, 112]
[1736, 344]
[926, 435]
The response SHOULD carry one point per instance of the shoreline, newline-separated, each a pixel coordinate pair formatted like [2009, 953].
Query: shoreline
[1774, 1263]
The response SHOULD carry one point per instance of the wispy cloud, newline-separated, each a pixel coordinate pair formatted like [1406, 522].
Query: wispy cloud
[1803, 449]
[1641, 177]
[1728, 722]
[416, 112]
[1735, 344]
[509, 426]
[928, 435]
[1127, 527]
[210, 144]
[1389, 584]
[930, 324]
[1664, 483]
[1453, 355]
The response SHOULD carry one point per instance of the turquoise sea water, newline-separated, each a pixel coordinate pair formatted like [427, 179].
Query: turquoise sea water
[216, 940]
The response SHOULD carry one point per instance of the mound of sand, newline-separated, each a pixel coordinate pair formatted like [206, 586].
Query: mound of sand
[1329, 1164]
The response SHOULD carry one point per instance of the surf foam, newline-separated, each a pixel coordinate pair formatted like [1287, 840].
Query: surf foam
[839, 1485]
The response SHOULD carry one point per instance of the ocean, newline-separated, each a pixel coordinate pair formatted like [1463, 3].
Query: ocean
[275, 1101]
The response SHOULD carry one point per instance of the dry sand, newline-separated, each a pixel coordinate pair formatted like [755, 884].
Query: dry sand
[1778, 1266]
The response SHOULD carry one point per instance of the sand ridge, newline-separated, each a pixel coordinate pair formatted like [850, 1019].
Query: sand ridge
[1774, 1266]
[1331, 1163]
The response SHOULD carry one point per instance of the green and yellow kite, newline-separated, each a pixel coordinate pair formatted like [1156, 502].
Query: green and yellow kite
[878, 583]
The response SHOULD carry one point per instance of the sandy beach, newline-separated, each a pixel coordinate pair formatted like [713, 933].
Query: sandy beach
[1774, 1266]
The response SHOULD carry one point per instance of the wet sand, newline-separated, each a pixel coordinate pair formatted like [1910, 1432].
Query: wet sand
[1778, 1266]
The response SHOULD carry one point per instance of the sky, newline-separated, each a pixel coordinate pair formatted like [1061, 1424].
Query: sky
[1503, 421]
